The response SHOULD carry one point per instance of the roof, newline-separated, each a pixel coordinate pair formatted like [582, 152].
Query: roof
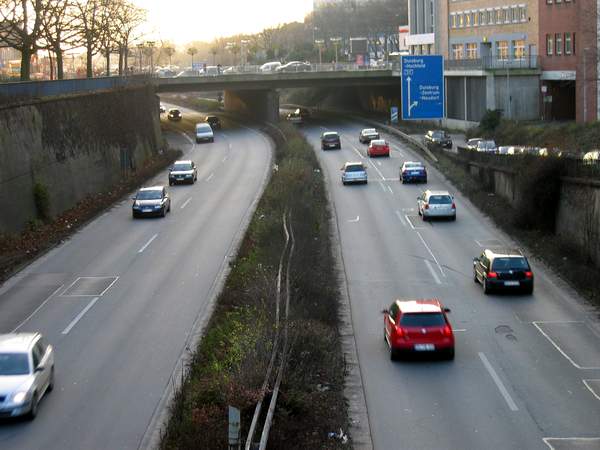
[369, 130]
[16, 342]
[430, 192]
[431, 305]
[503, 253]
[330, 133]
[353, 163]
[152, 188]
[378, 142]
[183, 161]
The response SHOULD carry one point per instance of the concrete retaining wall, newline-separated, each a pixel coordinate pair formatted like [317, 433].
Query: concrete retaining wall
[72, 146]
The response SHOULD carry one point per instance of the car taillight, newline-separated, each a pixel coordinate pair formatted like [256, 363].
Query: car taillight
[453, 205]
[447, 331]
[492, 275]
[399, 331]
[529, 274]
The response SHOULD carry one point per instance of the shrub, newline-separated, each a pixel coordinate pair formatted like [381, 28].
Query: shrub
[490, 120]
[41, 199]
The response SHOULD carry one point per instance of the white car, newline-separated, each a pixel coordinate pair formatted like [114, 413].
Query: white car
[204, 132]
[472, 143]
[270, 67]
[367, 135]
[486, 147]
[432, 204]
[354, 172]
[26, 373]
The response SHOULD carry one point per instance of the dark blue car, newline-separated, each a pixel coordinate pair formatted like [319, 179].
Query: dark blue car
[412, 171]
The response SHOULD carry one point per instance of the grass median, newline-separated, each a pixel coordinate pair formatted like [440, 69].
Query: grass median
[230, 363]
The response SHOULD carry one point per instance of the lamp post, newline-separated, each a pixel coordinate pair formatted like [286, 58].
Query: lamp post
[336, 41]
[150, 45]
[140, 47]
[320, 43]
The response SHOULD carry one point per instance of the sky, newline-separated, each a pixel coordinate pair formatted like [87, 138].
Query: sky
[182, 21]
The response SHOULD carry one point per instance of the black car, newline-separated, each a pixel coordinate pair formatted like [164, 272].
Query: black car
[507, 270]
[438, 137]
[174, 115]
[330, 139]
[151, 201]
[183, 172]
[214, 122]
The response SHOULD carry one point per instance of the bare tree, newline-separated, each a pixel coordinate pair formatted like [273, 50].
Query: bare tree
[192, 51]
[128, 18]
[92, 25]
[58, 30]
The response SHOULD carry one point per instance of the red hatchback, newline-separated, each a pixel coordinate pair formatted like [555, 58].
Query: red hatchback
[378, 147]
[418, 326]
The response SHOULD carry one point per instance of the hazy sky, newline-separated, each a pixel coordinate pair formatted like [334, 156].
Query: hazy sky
[182, 21]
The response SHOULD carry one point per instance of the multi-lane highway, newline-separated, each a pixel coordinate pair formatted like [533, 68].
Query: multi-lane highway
[527, 368]
[119, 300]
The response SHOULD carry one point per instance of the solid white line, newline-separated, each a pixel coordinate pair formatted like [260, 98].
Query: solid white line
[70, 286]
[141, 250]
[37, 309]
[210, 176]
[109, 286]
[187, 137]
[535, 324]
[357, 152]
[80, 315]
[400, 218]
[431, 253]
[390, 189]
[409, 222]
[432, 270]
[378, 171]
[379, 162]
[585, 439]
[396, 148]
[382, 187]
[186, 203]
[590, 388]
[459, 330]
[511, 404]
[391, 179]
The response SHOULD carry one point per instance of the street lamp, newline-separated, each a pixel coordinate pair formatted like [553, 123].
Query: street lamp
[140, 47]
[150, 45]
[320, 43]
[244, 50]
[336, 41]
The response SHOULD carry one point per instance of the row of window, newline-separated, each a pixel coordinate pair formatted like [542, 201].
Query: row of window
[549, 2]
[500, 15]
[559, 44]
[504, 50]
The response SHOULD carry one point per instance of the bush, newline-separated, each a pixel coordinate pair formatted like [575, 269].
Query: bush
[490, 121]
[41, 199]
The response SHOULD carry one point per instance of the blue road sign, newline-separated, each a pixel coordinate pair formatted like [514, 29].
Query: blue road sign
[394, 114]
[422, 87]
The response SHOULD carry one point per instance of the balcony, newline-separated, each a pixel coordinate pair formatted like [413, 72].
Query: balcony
[531, 62]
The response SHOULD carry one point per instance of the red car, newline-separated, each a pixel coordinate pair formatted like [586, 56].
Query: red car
[378, 147]
[418, 326]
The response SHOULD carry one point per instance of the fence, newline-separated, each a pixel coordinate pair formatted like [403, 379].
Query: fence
[493, 63]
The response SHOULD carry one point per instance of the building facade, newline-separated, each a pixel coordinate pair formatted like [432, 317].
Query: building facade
[428, 27]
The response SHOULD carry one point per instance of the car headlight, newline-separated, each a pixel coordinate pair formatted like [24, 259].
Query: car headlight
[20, 397]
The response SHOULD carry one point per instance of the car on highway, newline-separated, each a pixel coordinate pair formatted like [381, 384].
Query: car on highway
[436, 204]
[354, 172]
[378, 147]
[472, 143]
[204, 133]
[367, 135]
[330, 139]
[189, 73]
[174, 115]
[295, 117]
[438, 137]
[213, 121]
[418, 326]
[503, 270]
[294, 66]
[413, 171]
[269, 67]
[488, 146]
[151, 201]
[184, 171]
[162, 109]
[26, 373]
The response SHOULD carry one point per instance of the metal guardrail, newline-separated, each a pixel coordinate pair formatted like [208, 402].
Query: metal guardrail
[493, 63]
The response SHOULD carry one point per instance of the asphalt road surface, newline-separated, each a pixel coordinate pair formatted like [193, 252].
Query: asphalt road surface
[527, 368]
[118, 300]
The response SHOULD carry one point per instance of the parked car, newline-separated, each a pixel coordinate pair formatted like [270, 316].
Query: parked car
[270, 67]
[174, 115]
[294, 66]
[151, 201]
[438, 137]
[418, 326]
[26, 373]
[367, 135]
[472, 143]
[503, 270]
[434, 204]
[378, 147]
[183, 172]
[413, 171]
[330, 139]
[486, 147]
[204, 133]
[354, 172]
[213, 121]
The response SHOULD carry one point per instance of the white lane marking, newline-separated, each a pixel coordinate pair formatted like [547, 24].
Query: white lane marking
[431, 253]
[408, 209]
[390, 189]
[400, 218]
[80, 315]
[591, 389]
[584, 439]
[377, 169]
[188, 138]
[556, 346]
[379, 163]
[357, 152]
[37, 309]
[354, 220]
[64, 293]
[229, 147]
[396, 148]
[210, 176]
[409, 222]
[109, 286]
[511, 403]
[141, 250]
[391, 179]
[382, 187]
[432, 270]
[459, 330]
[186, 202]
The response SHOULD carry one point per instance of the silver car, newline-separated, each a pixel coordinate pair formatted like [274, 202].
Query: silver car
[367, 135]
[432, 204]
[354, 172]
[26, 373]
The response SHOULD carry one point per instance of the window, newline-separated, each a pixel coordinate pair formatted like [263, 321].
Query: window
[422, 320]
[489, 17]
[475, 18]
[549, 45]
[574, 46]
[461, 20]
[519, 49]
[558, 49]
[481, 17]
[523, 13]
[568, 48]
[549, 2]
[452, 20]
[394, 310]
[502, 50]
[505, 15]
[467, 19]
[515, 13]
[495, 14]
[457, 51]
[472, 51]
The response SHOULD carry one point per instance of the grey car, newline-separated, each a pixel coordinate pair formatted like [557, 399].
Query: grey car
[434, 204]
[151, 201]
[183, 172]
[367, 135]
[26, 373]
[354, 172]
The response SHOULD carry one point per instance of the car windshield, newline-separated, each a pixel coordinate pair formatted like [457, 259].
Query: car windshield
[355, 168]
[378, 142]
[422, 320]
[182, 166]
[440, 200]
[490, 144]
[514, 263]
[149, 195]
[203, 127]
[413, 166]
[174, 111]
[14, 364]
[370, 131]
[330, 136]
[438, 134]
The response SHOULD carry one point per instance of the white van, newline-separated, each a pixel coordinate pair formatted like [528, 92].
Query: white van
[204, 132]
[270, 67]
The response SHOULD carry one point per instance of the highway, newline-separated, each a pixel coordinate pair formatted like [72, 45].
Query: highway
[119, 300]
[527, 369]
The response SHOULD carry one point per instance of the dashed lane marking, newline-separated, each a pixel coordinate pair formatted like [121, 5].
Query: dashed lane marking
[147, 244]
[511, 403]
[79, 316]
[186, 203]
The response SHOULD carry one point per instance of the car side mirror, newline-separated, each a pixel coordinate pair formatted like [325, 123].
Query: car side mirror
[134, 198]
[40, 368]
[447, 310]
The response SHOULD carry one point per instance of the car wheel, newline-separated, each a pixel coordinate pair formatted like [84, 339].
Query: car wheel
[486, 287]
[453, 218]
[425, 181]
[170, 183]
[449, 354]
[343, 182]
[51, 381]
[212, 140]
[529, 291]
[475, 279]
[402, 180]
[394, 356]
[133, 215]
[425, 219]
[163, 212]
[34, 407]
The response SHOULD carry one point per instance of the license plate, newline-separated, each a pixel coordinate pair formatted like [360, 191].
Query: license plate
[146, 210]
[511, 283]
[424, 347]
[180, 178]
[414, 173]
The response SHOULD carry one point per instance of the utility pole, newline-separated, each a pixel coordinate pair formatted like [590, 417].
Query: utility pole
[508, 97]
[585, 85]
[336, 41]
[320, 43]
